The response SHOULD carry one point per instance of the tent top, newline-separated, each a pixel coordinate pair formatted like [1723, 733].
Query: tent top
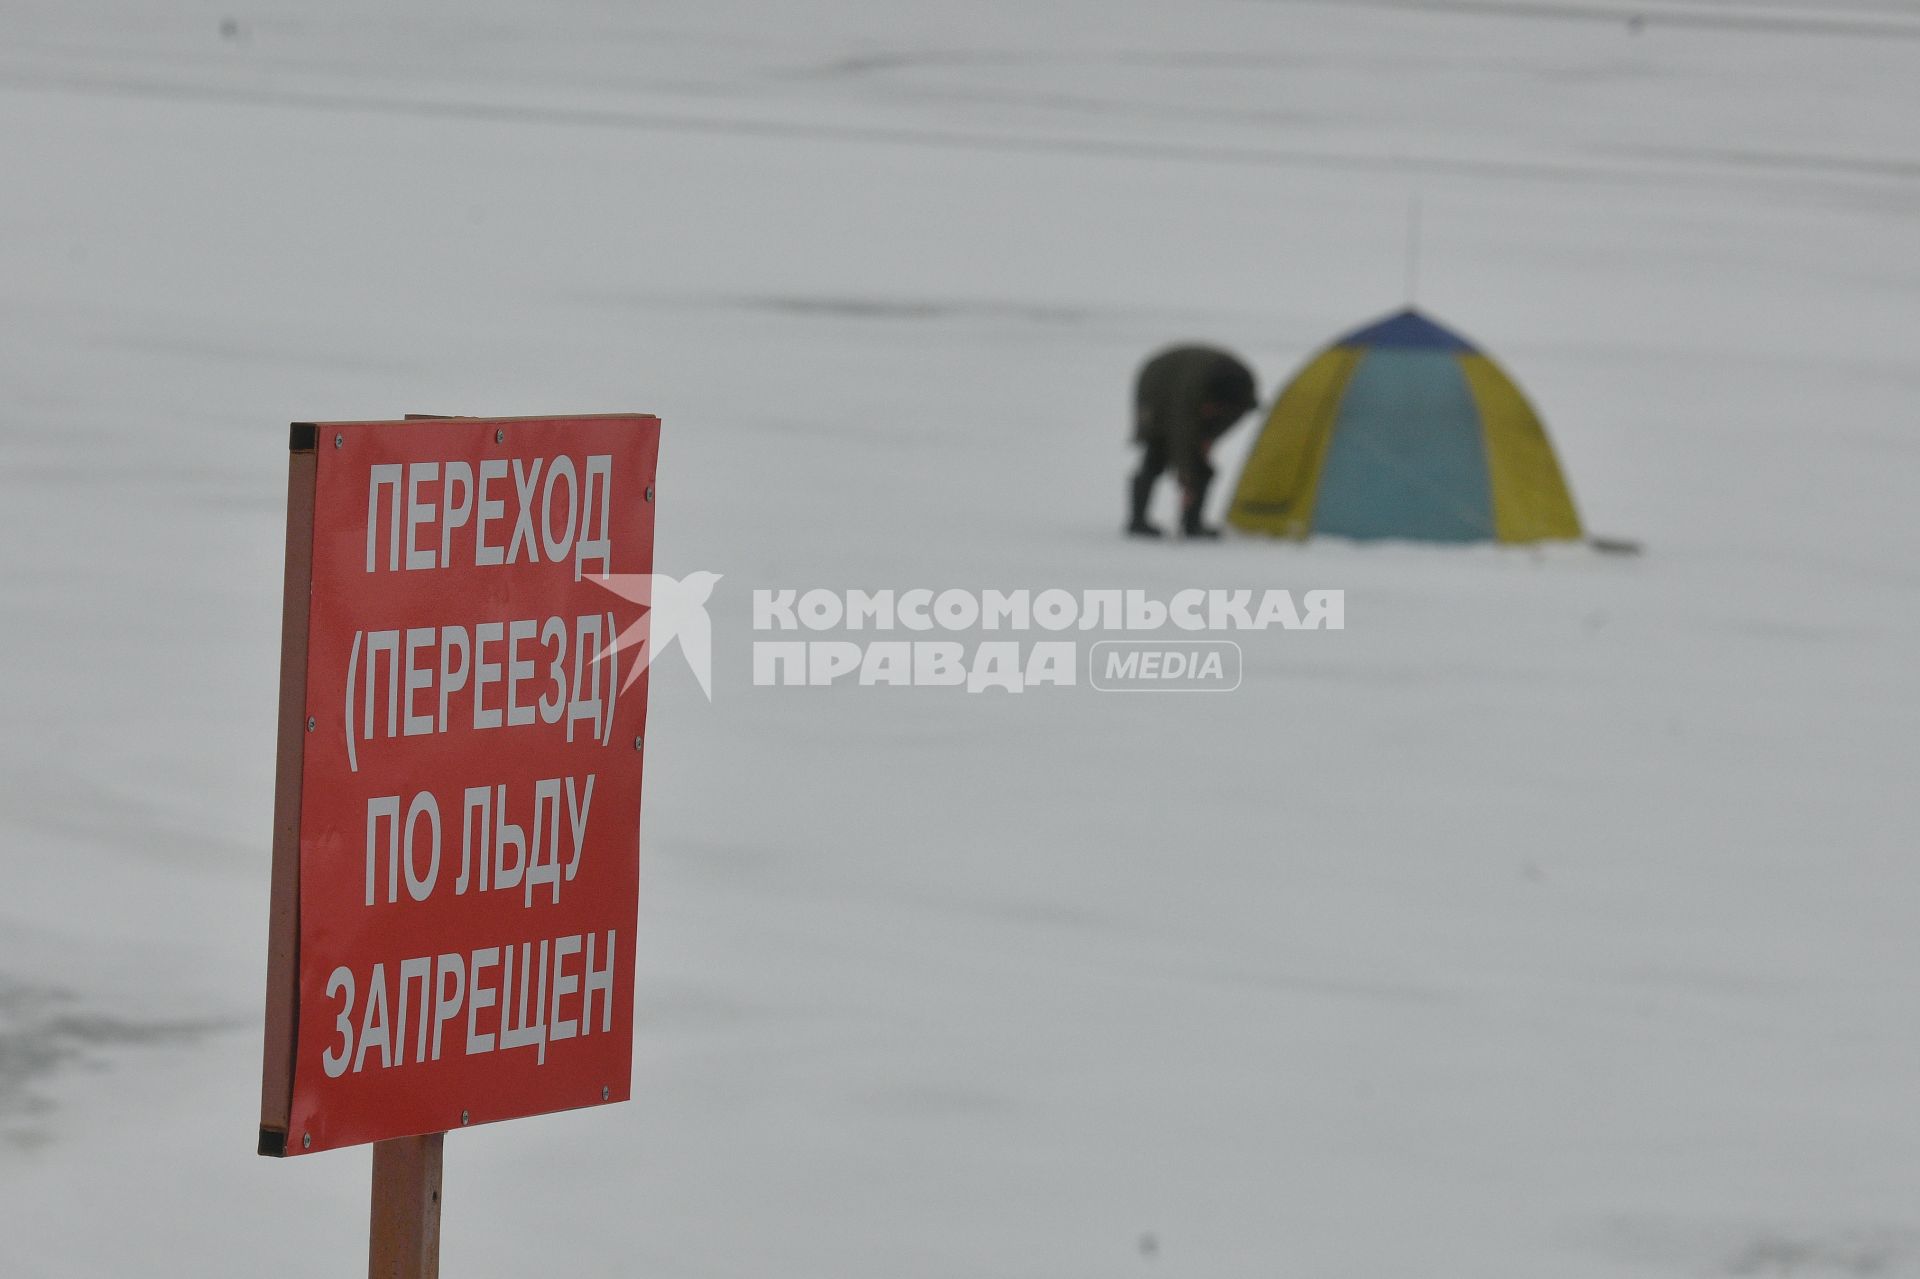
[1409, 330]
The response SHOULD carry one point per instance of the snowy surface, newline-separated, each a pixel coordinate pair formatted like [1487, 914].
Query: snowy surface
[1557, 918]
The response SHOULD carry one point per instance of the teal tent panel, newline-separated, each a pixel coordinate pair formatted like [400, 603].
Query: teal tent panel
[1407, 458]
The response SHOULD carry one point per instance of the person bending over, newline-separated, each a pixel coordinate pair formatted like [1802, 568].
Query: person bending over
[1185, 398]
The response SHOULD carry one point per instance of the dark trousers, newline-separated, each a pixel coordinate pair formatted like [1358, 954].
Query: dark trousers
[1155, 458]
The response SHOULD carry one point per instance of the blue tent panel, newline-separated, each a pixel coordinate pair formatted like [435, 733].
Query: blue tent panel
[1407, 458]
[1408, 329]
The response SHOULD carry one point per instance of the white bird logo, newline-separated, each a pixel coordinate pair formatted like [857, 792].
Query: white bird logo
[675, 610]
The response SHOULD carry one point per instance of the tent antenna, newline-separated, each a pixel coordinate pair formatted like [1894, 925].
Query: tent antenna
[1413, 248]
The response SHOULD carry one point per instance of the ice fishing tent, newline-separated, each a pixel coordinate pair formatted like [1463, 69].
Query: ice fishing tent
[1404, 429]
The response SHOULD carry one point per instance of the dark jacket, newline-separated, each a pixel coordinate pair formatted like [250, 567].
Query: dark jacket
[1169, 392]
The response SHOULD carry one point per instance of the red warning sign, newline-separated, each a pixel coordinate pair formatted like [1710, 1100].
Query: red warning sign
[457, 817]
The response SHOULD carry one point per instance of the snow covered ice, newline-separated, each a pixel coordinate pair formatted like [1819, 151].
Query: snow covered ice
[1556, 917]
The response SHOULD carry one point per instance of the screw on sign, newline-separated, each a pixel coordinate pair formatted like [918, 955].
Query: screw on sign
[456, 833]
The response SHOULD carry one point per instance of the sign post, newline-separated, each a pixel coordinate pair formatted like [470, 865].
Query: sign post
[457, 801]
[404, 1234]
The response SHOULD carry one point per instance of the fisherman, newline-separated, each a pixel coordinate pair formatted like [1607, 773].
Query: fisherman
[1185, 398]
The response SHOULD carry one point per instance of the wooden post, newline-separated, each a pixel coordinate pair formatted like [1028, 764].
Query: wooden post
[405, 1235]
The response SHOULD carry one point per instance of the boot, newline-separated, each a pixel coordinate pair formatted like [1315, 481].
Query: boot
[1138, 494]
[1196, 501]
